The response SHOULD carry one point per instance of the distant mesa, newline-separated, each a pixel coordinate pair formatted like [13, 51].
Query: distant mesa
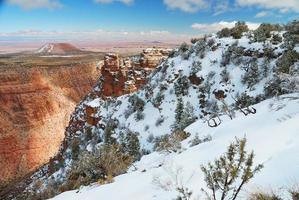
[58, 49]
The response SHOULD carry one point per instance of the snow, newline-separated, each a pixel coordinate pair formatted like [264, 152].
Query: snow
[272, 133]
[47, 48]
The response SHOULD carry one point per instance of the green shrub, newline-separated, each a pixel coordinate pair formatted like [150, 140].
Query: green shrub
[107, 160]
[239, 29]
[263, 32]
[194, 40]
[228, 174]
[170, 143]
[276, 39]
[264, 196]
[275, 87]
[236, 32]
[294, 192]
[287, 59]
[129, 144]
[225, 32]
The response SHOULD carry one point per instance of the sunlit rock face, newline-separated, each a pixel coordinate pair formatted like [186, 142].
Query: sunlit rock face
[123, 76]
[151, 57]
[35, 106]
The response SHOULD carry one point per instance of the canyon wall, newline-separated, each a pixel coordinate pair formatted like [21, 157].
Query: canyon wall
[35, 106]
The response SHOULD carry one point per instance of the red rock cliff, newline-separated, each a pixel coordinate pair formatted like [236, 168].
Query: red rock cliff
[35, 105]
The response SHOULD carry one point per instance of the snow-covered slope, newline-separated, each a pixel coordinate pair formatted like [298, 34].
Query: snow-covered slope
[208, 89]
[209, 81]
[272, 133]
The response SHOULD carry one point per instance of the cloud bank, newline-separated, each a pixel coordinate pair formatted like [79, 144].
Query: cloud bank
[111, 1]
[282, 6]
[190, 6]
[97, 35]
[34, 4]
[214, 27]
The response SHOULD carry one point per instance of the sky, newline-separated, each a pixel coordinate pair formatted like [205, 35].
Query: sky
[136, 20]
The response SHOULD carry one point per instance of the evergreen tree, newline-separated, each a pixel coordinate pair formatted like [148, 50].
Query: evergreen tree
[181, 86]
[265, 67]
[196, 67]
[130, 144]
[228, 174]
[287, 59]
[179, 113]
[251, 77]
[188, 116]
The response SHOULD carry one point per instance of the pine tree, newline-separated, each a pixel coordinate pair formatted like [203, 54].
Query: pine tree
[130, 144]
[251, 77]
[181, 86]
[228, 174]
[188, 116]
[196, 67]
[265, 67]
[178, 113]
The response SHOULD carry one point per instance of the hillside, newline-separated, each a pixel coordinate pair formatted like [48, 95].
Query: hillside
[217, 88]
[275, 142]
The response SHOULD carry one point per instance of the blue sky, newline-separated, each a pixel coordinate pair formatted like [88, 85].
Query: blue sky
[155, 18]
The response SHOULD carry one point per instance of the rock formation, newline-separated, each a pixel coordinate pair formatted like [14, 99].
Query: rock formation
[123, 76]
[35, 105]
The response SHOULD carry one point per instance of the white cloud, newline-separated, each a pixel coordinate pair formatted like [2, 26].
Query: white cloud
[34, 4]
[262, 14]
[221, 6]
[99, 35]
[282, 5]
[190, 6]
[214, 27]
[111, 1]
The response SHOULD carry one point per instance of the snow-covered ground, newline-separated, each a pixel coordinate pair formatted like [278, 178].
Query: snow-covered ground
[194, 76]
[273, 134]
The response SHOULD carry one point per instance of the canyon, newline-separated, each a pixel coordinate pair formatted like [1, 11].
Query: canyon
[36, 103]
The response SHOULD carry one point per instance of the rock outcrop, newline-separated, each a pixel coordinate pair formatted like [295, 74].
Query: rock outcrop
[151, 57]
[35, 105]
[123, 76]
